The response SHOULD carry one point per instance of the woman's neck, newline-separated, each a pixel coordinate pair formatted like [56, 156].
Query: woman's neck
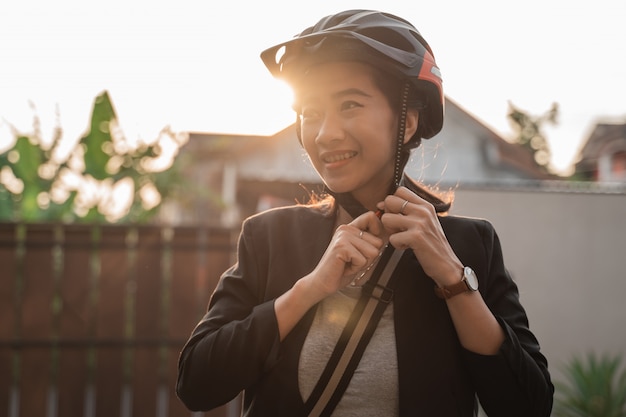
[370, 200]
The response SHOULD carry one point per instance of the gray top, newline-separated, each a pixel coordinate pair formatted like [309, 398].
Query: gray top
[373, 390]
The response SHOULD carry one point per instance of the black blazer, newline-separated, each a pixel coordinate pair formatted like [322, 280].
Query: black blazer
[236, 346]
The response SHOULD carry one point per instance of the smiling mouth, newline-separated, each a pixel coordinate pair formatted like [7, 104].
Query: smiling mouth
[339, 157]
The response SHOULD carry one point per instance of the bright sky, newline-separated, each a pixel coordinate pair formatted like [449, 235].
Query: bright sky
[195, 65]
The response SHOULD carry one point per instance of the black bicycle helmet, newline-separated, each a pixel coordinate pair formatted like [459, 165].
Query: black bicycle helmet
[383, 40]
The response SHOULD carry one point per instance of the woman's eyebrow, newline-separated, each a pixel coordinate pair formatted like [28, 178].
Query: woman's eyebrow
[312, 98]
[350, 92]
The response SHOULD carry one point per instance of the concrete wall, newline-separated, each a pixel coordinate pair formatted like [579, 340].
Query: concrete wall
[567, 252]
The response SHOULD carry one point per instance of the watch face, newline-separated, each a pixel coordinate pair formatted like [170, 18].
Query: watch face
[470, 278]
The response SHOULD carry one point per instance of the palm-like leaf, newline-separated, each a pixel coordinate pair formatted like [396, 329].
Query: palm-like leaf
[594, 387]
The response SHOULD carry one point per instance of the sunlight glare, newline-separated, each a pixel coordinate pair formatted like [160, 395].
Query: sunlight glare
[274, 98]
[119, 199]
[43, 200]
[167, 146]
[150, 197]
[10, 181]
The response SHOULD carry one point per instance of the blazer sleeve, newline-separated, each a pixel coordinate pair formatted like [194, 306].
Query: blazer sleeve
[515, 382]
[236, 340]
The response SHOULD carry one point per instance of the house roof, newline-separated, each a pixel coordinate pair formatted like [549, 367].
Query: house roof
[508, 153]
[605, 138]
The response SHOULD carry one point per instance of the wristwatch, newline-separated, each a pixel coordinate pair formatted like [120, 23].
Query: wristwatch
[469, 282]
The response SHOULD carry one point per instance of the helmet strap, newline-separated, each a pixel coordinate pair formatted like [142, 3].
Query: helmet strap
[398, 168]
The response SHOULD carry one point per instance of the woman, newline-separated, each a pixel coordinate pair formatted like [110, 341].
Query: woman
[367, 90]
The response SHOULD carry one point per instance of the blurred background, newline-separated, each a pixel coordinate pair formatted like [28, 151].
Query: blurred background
[135, 137]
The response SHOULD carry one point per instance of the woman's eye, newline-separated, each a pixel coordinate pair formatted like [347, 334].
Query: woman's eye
[348, 105]
[309, 114]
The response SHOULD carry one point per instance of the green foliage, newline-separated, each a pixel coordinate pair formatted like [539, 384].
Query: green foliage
[23, 167]
[104, 178]
[530, 131]
[99, 140]
[594, 387]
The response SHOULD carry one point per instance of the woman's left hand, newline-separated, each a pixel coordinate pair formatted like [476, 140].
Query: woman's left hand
[413, 223]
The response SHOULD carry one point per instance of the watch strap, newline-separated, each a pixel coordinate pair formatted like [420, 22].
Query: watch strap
[468, 283]
[450, 291]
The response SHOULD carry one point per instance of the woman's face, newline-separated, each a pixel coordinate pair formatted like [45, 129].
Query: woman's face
[348, 130]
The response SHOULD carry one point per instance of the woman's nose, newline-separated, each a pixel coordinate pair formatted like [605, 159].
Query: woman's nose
[330, 128]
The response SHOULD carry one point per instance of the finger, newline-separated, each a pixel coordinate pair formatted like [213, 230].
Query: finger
[353, 260]
[403, 206]
[398, 205]
[369, 223]
[405, 194]
[369, 243]
[362, 241]
[402, 239]
[406, 202]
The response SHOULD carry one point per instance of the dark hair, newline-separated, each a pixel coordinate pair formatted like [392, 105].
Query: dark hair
[327, 202]
[391, 87]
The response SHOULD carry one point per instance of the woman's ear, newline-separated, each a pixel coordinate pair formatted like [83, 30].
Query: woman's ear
[412, 121]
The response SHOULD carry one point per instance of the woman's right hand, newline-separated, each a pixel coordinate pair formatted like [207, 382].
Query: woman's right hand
[353, 247]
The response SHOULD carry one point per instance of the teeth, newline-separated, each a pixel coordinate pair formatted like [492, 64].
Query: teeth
[341, 157]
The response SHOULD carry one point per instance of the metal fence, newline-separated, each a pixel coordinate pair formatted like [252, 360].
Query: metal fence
[92, 318]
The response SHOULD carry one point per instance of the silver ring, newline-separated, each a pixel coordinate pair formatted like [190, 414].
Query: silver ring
[361, 234]
[403, 206]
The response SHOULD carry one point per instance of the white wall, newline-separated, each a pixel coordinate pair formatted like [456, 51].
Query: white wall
[567, 252]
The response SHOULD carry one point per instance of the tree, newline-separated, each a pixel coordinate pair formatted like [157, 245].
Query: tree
[529, 131]
[105, 177]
